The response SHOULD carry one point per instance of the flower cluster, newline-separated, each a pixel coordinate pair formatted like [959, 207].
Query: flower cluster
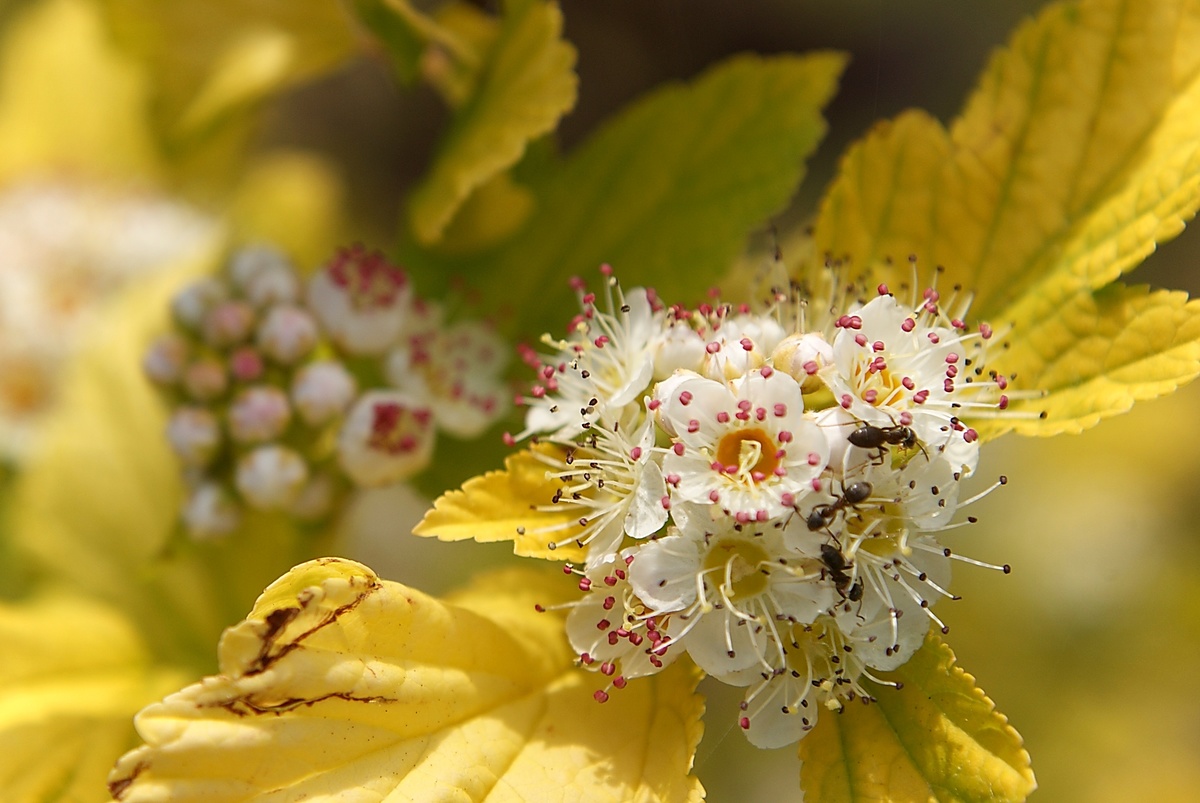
[287, 393]
[761, 489]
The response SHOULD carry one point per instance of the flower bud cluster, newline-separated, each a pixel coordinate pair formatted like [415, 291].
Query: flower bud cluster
[762, 489]
[287, 393]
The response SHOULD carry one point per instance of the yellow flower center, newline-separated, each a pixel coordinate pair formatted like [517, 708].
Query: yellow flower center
[751, 450]
[736, 563]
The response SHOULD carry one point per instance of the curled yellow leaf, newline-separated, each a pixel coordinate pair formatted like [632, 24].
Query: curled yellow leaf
[344, 686]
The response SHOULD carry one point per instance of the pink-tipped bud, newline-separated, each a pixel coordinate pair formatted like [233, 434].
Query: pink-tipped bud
[259, 414]
[228, 323]
[287, 334]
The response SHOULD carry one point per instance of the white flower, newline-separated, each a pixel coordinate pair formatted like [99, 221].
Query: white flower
[773, 504]
[191, 304]
[893, 367]
[164, 361]
[456, 372]
[616, 486]
[678, 347]
[610, 630]
[603, 368]
[361, 300]
[745, 446]
[802, 355]
[729, 588]
[821, 670]
[228, 323]
[387, 437]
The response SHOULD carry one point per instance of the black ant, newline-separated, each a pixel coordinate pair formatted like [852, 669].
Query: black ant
[869, 436]
[822, 515]
[836, 564]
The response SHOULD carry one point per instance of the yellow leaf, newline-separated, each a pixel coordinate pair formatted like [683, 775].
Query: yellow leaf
[73, 675]
[342, 686]
[503, 506]
[292, 199]
[1077, 154]
[1099, 352]
[527, 84]
[68, 100]
[211, 59]
[459, 39]
[938, 739]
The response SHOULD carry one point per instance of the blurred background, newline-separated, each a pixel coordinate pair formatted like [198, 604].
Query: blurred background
[1092, 645]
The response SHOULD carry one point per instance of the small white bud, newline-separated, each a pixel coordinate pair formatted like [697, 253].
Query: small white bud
[210, 512]
[205, 379]
[287, 334]
[801, 356]
[228, 323]
[264, 275]
[321, 391]
[191, 304]
[164, 361]
[259, 414]
[270, 477]
[195, 435]
[386, 438]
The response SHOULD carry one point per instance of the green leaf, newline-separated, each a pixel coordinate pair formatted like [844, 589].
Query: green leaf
[525, 86]
[1077, 153]
[939, 738]
[503, 506]
[1099, 352]
[341, 685]
[73, 675]
[402, 43]
[666, 192]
